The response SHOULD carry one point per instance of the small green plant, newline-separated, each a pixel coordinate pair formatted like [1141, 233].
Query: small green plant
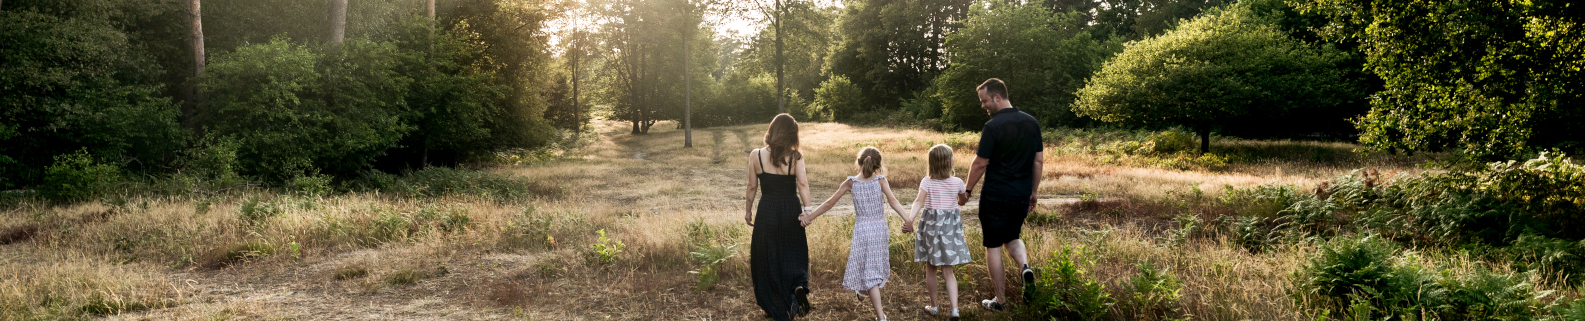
[1188, 226]
[1064, 290]
[605, 251]
[1154, 291]
[709, 258]
[295, 249]
[255, 211]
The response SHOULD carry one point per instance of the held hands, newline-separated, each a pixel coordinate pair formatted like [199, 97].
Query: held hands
[963, 198]
[806, 218]
[908, 226]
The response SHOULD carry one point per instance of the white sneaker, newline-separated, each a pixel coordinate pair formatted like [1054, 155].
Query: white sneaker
[933, 311]
[991, 304]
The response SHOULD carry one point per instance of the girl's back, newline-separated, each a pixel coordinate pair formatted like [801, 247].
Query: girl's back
[868, 264]
[869, 202]
[943, 193]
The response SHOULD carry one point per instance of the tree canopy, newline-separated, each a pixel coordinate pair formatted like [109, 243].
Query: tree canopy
[1224, 66]
[1492, 78]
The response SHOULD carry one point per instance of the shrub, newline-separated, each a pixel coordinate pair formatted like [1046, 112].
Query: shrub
[311, 185]
[78, 176]
[1064, 290]
[433, 182]
[295, 109]
[836, 99]
[1348, 266]
[605, 251]
[1153, 291]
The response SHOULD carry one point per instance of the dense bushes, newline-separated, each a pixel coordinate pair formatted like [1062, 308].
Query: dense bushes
[72, 79]
[297, 110]
[115, 78]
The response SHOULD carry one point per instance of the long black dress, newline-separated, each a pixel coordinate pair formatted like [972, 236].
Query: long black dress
[779, 254]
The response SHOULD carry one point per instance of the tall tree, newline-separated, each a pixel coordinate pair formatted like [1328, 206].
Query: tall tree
[1043, 56]
[775, 13]
[892, 49]
[338, 21]
[197, 27]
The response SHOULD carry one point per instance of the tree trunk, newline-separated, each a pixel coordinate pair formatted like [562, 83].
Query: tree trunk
[1205, 137]
[338, 21]
[577, 111]
[781, 92]
[687, 94]
[197, 36]
[195, 101]
[430, 7]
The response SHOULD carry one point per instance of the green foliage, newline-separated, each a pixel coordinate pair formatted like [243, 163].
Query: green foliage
[436, 182]
[74, 78]
[892, 50]
[1064, 290]
[78, 176]
[605, 251]
[1222, 67]
[838, 99]
[255, 211]
[296, 109]
[1365, 278]
[1492, 78]
[1043, 57]
[1154, 291]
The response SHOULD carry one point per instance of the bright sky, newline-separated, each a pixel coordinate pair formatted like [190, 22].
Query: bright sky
[743, 26]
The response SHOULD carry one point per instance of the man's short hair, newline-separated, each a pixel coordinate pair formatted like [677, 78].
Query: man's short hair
[994, 87]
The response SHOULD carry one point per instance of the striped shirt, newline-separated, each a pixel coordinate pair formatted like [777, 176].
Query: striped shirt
[941, 194]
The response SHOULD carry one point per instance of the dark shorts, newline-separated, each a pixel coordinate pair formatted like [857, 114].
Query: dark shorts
[1002, 221]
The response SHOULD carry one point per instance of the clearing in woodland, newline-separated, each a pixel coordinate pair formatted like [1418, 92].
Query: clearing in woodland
[635, 227]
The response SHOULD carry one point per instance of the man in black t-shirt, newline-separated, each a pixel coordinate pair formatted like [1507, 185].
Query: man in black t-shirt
[1010, 156]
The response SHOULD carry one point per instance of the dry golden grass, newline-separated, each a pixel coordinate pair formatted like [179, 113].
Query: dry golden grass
[199, 258]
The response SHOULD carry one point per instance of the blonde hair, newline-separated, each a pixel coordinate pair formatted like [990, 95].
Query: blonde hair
[869, 162]
[940, 161]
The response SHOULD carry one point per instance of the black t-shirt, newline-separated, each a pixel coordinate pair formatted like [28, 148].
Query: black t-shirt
[1010, 141]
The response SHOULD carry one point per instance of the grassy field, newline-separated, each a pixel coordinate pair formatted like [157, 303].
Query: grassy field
[281, 256]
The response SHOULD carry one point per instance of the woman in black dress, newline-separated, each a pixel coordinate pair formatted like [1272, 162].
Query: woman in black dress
[779, 252]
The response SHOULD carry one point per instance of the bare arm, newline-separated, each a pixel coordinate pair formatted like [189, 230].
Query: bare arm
[919, 202]
[803, 182]
[1034, 192]
[809, 217]
[976, 170]
[753, 186]
[908, 220]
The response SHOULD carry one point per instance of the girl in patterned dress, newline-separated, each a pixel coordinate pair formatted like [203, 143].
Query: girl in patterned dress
[940, 242]
[868, 265]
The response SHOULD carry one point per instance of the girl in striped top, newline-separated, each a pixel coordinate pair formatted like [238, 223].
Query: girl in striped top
[939, 241]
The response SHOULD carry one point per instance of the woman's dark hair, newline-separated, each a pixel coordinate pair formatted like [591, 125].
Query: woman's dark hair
[782, 140]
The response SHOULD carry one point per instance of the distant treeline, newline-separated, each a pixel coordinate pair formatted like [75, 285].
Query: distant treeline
[279, 89]
[284, 93]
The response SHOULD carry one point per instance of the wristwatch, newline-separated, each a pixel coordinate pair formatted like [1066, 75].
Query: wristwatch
[968, 192]
[809, 208]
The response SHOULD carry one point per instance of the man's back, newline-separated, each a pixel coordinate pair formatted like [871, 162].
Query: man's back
[1010, 141]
